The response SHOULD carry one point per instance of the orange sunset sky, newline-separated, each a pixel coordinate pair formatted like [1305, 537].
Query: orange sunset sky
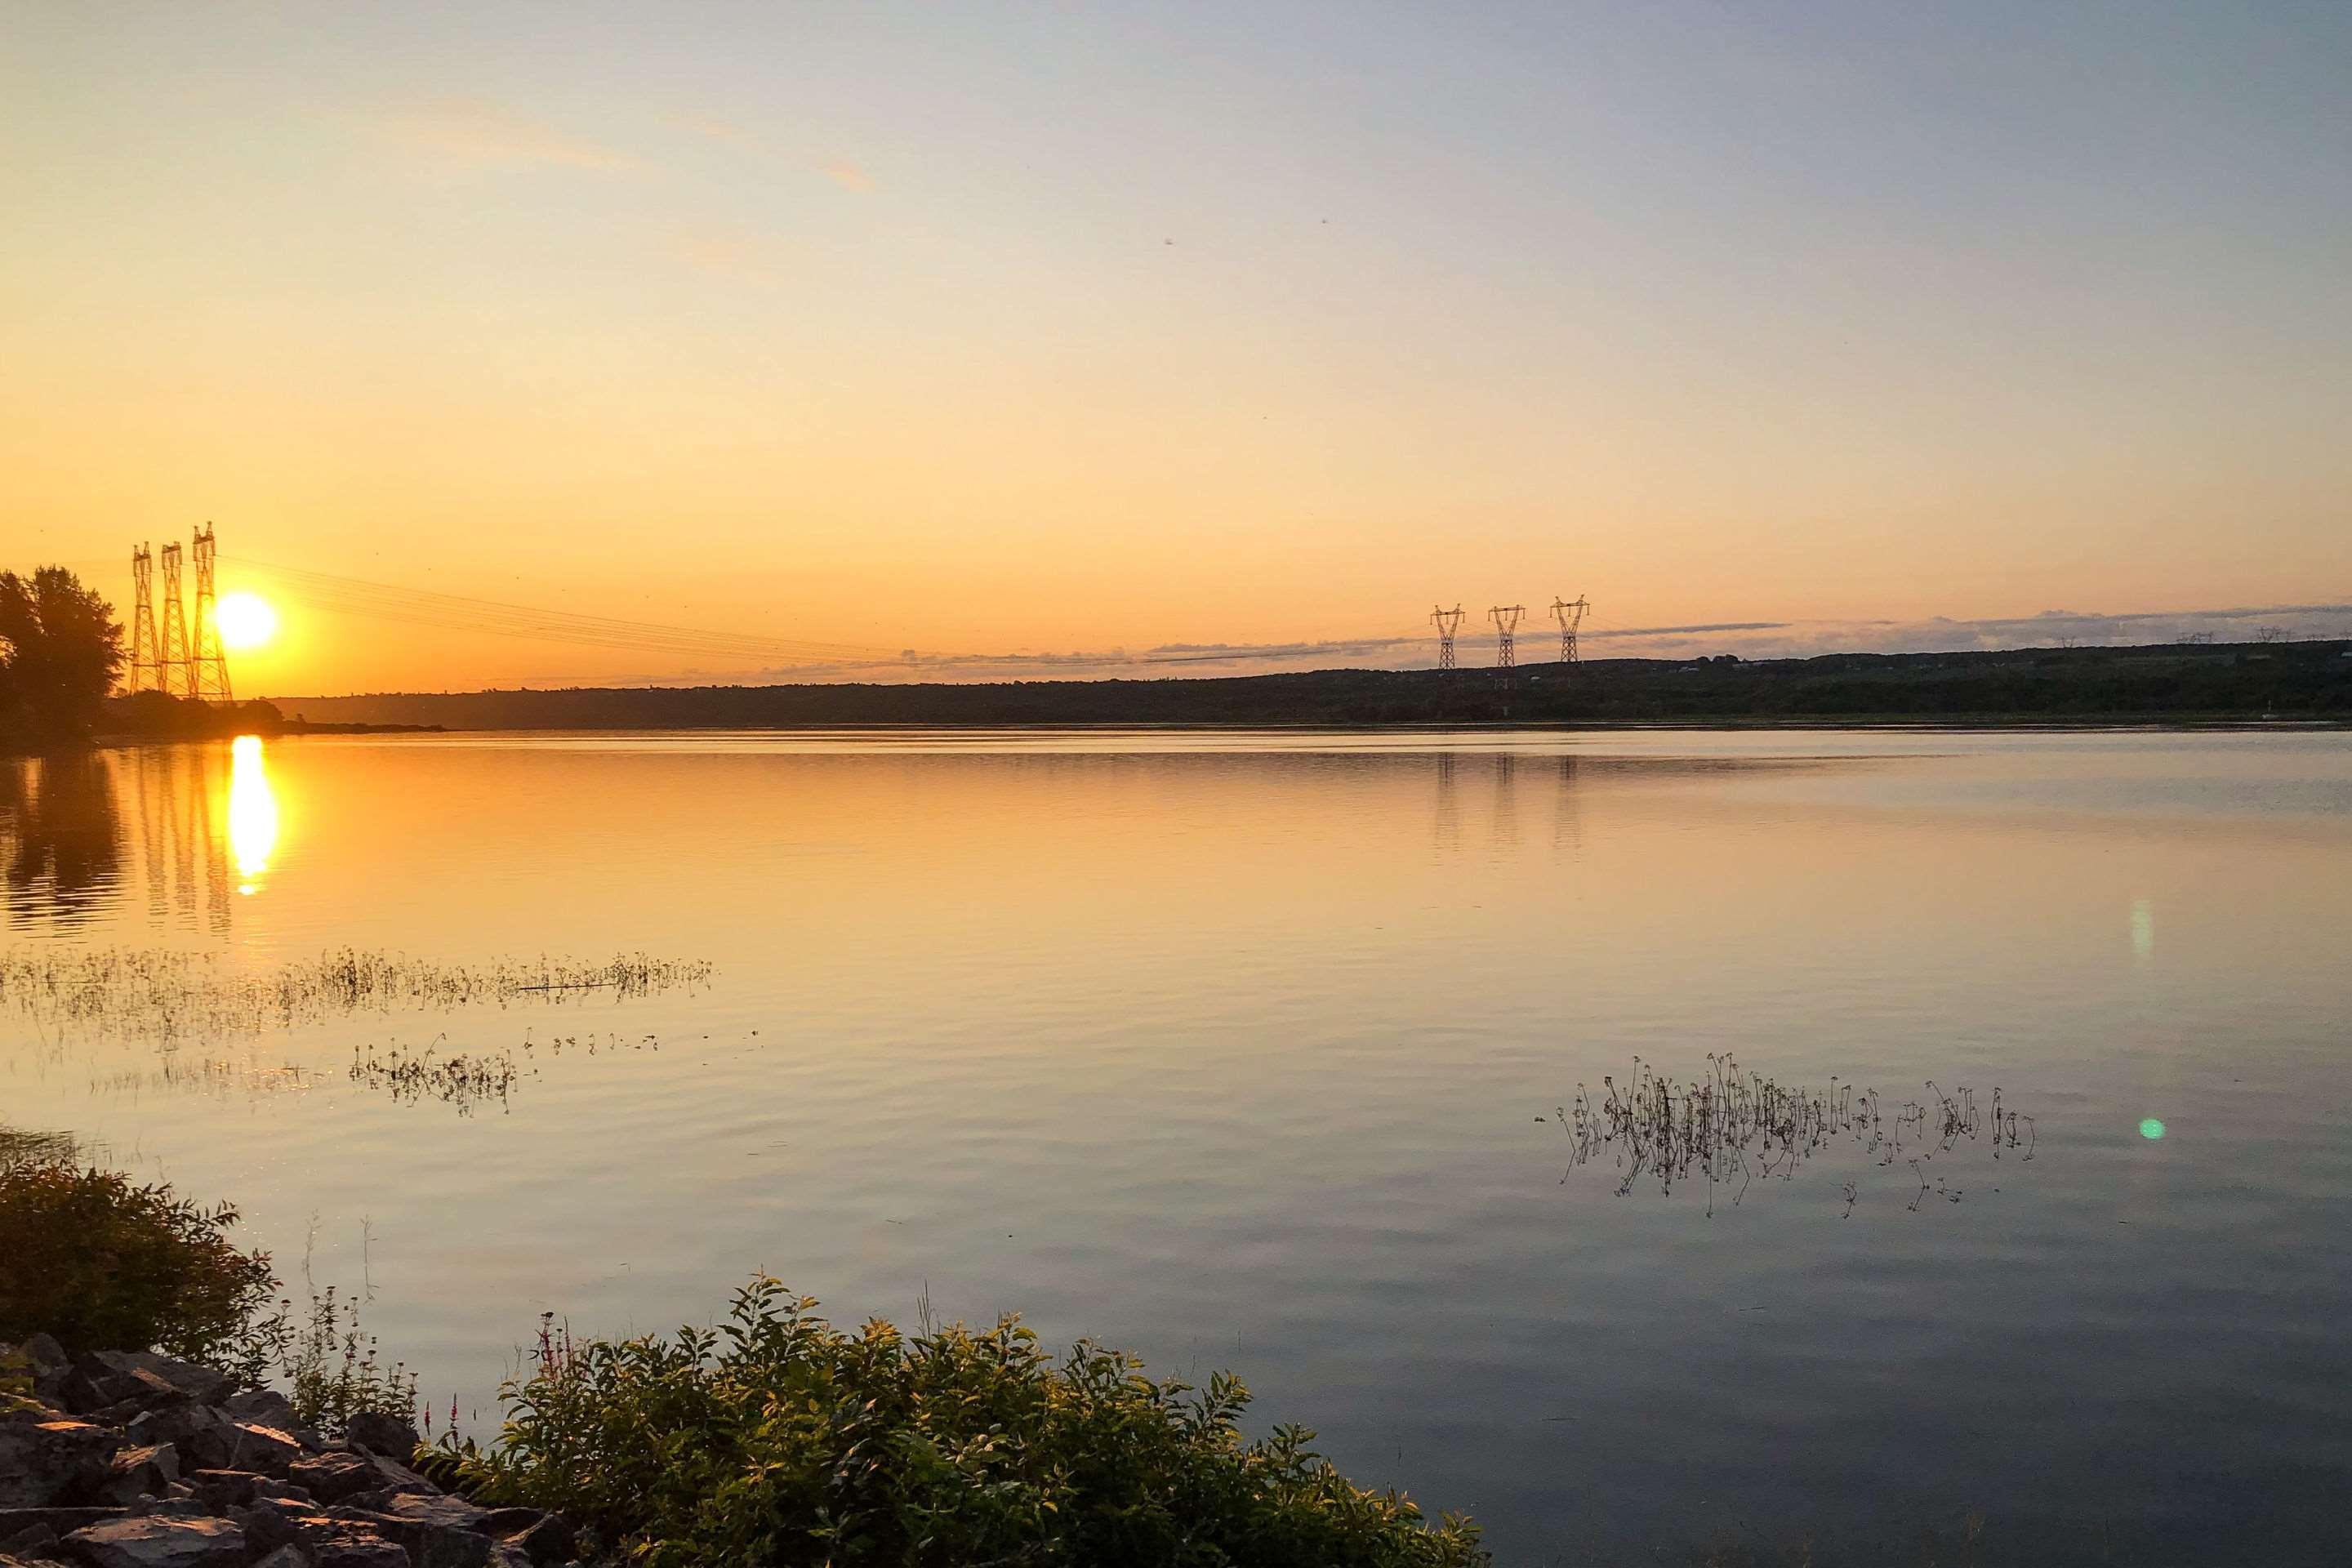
[987, 328]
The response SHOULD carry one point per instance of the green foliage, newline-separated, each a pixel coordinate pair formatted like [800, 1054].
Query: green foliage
[106, 1265]
[778, 1440]
[59, 650]
[332, 1373]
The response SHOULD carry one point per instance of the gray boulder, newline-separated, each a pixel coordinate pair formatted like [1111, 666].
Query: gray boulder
[422, 1507]
[221, 1491]
[204, 1437]
[333, 1476]
[16, 1522]
[353, 1547]
[336, 1539]
[381, 1433]
[153, 1543]
[431, 1542]
[262, 1449]
[33, 1543]
[198, 1384]
[142, 1472]
[267, 1407]
[55, 1461]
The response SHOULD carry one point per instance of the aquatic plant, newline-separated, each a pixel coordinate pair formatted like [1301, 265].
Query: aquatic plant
[1732, 1127]
[332, 1369]
[458, 1080]
[776, 1438]
[19, 1147]
[169, 995]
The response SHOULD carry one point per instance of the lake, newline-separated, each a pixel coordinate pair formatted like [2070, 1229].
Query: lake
[1250, 1051]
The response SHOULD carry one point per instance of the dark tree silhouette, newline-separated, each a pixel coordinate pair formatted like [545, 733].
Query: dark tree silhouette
[60, 648]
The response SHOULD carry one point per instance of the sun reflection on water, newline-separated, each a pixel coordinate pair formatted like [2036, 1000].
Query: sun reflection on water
[252, 812]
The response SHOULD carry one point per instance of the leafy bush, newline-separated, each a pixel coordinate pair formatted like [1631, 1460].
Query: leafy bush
[105, 1265]
[777, 1439]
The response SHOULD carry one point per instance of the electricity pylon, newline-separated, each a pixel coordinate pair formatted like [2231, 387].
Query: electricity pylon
[1447, 623]
[146, 658]
[208, 665]
[1571, 615]
[176, 673]
[1506, 625]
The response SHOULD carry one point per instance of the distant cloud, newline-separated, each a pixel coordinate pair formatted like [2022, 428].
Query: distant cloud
[737, 257]
[848, 176]
[475, 132]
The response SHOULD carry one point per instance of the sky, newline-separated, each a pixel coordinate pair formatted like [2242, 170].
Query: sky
[1001, 331]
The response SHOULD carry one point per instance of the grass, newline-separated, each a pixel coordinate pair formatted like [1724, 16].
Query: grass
[168, 995]
[1731, 1128]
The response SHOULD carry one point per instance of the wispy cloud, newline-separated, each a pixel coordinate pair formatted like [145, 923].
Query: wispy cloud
[848, 176]
[475, 132]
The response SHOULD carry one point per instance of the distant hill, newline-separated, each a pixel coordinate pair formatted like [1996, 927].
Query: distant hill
[2173, 683]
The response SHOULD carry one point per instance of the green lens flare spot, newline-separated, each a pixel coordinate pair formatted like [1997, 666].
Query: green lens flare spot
[2151, 1128]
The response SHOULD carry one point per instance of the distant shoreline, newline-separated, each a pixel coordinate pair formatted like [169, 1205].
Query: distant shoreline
[2257, 685]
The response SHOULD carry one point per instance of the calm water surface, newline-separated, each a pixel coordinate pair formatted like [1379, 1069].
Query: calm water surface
[1245, 1051]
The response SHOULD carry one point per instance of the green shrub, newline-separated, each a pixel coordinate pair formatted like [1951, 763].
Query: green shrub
[777, 1439]
[105, 1265]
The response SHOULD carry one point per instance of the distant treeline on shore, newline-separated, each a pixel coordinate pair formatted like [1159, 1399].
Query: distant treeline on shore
[2184, 683]
[159, 716]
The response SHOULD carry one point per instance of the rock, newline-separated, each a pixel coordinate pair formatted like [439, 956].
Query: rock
[45, 1463]
[431, 1542]
[333, 1476]
[423, 1508]
[15, 1521]
[222, 1490]
[92, 1386]
[33, 1542]
[273, 1522]
[169, 1507]
[267, 1407]
[285, 1491]
[159, 1543]
[380, 1433]
[545, 1540]
[142, 1472]
[285, 1557]
[328, 1540]
[204, 1437]
[356, 1549]
[262, 1450]
[198, 1384]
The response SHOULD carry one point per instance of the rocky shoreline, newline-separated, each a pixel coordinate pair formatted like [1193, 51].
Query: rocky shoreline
[129, 1459]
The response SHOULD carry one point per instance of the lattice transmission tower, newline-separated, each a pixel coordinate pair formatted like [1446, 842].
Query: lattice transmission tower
[1447, 623]
[176, 674]
[1506, 625]
[1571, 615]
[146, 657]
[208, 665]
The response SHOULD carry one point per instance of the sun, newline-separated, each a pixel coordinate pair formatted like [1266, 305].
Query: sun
[245, 620]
